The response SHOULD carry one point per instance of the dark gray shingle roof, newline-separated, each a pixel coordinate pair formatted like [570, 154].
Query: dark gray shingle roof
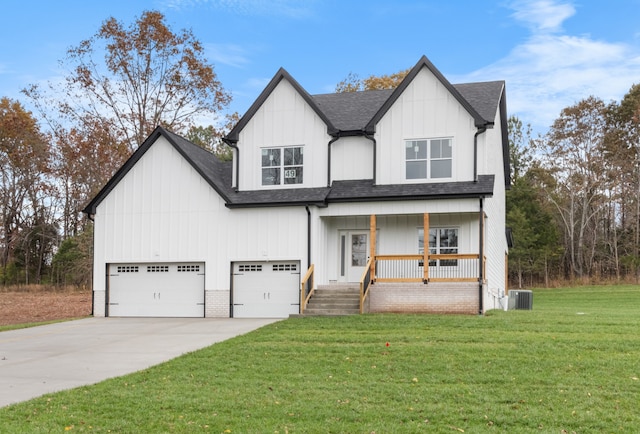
[365, 190]
[484, 97]
[351, 111]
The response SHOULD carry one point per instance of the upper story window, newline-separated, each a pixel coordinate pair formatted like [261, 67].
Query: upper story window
[428, 158]
[282, 165]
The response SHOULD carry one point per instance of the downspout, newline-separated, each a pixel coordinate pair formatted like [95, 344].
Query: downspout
[91, 218]
[333, 139]
[481, 258]
[481, 130]
[308, 236]
[235, 146]
[375, 145]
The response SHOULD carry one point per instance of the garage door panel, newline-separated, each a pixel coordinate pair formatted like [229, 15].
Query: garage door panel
[266, 289]
[156, 290]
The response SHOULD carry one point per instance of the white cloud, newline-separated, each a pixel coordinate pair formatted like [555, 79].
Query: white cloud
[227, 54]
[551, 71]
[542, 15]
[288, 8]
[258, 83]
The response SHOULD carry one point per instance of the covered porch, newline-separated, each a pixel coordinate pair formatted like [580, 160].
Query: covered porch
[416, 266]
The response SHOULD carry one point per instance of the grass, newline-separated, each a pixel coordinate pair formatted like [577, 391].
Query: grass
[5, 328]
[570, 365]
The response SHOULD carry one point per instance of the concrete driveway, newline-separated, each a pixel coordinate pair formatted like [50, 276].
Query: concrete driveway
[55, 357]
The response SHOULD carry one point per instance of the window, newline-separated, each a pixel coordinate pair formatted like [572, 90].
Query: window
[188, 268]
[428, 158]
[281, 166]
[249, 268]
[442, 241]
[285, 267]
[157, 268]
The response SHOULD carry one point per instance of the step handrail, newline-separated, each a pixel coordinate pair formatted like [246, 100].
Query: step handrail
[306, 288]
[365, 283]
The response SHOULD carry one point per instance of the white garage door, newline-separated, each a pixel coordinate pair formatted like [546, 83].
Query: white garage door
[266, 289]
[156, 290]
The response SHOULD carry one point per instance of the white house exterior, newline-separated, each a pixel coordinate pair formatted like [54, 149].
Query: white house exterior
[364, 187]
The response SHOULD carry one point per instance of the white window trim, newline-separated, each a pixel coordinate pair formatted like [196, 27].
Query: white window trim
[282, 167]
[428, 160]
[425, 243]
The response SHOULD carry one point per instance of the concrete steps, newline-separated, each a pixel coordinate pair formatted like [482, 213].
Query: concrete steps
[334, 300]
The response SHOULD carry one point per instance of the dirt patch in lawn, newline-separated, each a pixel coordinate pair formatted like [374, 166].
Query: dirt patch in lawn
[18, 306]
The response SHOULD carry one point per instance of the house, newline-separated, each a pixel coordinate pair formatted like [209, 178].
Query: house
[400, 193]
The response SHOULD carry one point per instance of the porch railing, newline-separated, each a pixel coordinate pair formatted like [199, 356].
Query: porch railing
[442, 268]
[306, 288]
[365, 283]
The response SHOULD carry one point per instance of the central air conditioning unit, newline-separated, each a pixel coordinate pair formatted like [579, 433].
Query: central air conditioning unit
[520, 299]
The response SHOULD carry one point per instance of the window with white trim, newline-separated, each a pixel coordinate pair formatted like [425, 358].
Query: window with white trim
[442, 241]
[282, 166]
[429, 158]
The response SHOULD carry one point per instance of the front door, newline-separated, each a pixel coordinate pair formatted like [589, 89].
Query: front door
[354, 253]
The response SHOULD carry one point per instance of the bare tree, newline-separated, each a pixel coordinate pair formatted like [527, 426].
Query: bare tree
[149, 76]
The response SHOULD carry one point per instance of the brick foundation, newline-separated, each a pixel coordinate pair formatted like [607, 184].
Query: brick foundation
[216, 304]
[99, 303]
[460, 298]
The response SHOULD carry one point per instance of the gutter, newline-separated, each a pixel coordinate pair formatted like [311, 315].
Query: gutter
[481, 258]
[333, 139]
[234, 145]
[481, 129]
[308, 236]
[375, 152]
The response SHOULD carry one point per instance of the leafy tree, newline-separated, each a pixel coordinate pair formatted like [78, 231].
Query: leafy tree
[209, 138]
[623, 152]
[353, 83]
[520, 145]
[536, 244]
[72, 263]
[85, 158]
[24, 176]
[149, 76]
[573, 152]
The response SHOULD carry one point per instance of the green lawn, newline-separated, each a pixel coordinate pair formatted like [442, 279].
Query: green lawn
[572, 364]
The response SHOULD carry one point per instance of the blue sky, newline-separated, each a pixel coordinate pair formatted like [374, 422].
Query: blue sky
[551, 53]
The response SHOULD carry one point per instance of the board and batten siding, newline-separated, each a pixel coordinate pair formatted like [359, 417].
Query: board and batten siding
[426, 109]
[284, 119]
[164, 211]
[495, 209]
[351, 158]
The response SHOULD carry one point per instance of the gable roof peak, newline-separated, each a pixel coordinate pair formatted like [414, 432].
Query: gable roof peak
[424, 62]
[280, 75]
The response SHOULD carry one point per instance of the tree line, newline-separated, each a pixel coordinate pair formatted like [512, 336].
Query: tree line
[574, 202]
[573, 205]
